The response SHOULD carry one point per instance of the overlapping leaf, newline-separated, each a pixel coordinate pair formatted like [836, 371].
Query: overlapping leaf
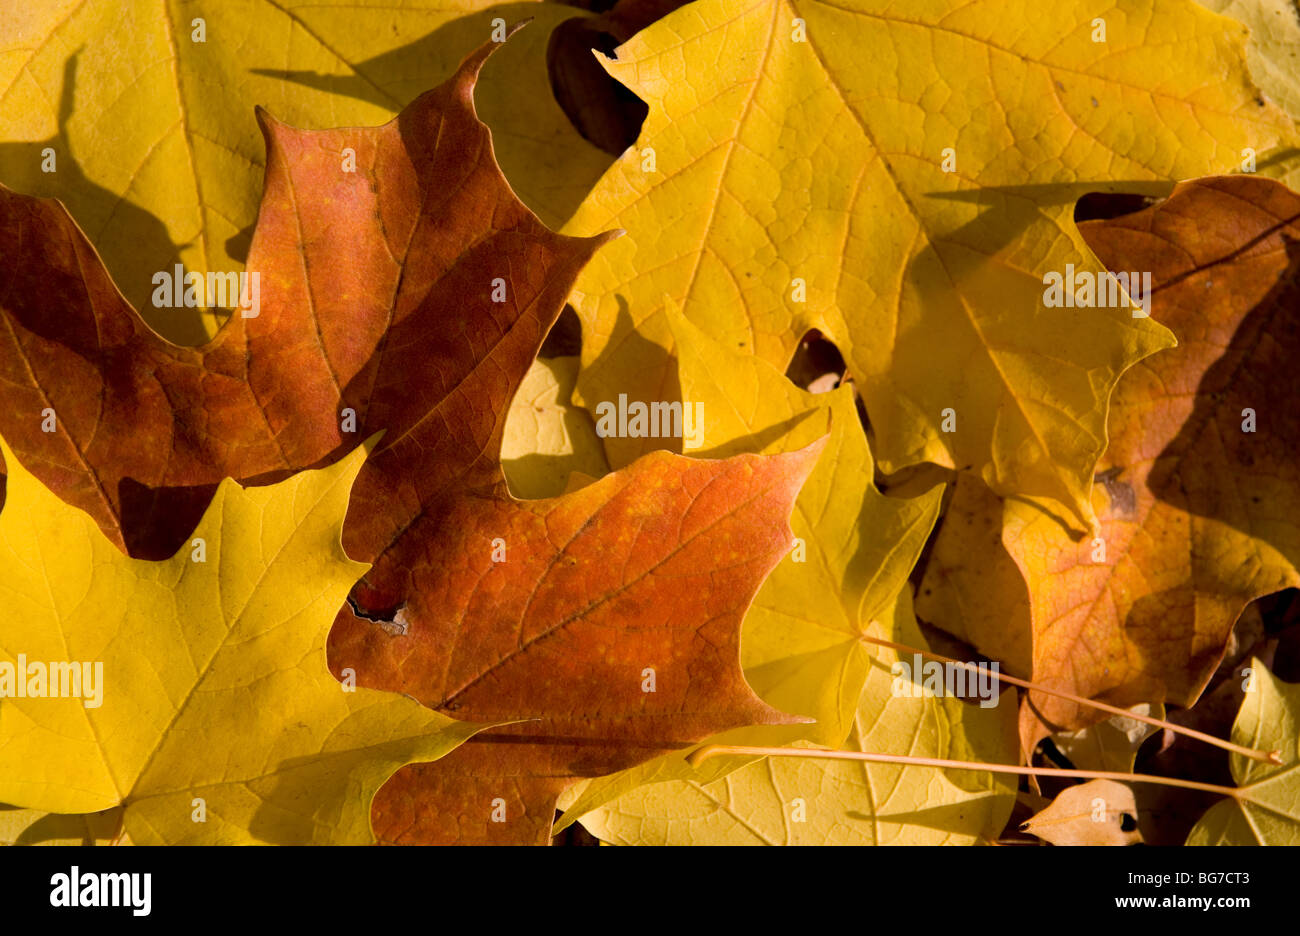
[1199, 487]
[547, 439]
[800, 645]
[1099, 812]
[211, 692]
[1271, 51]
[796, 149]
[375, 301]
[613, 620]
[787, 801]
[1109, 745]
[899, 178]
[156, 157]
[1273, 56]
[1266, 809]
[411, 295]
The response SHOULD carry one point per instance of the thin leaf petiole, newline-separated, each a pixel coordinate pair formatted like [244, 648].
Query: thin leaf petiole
[716, 750]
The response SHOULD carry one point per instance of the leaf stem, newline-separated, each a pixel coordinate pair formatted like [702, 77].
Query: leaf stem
[715, 750]
[1270, 757]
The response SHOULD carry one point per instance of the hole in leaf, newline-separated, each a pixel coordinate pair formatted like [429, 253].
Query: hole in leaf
[383, 616]
[817, 365]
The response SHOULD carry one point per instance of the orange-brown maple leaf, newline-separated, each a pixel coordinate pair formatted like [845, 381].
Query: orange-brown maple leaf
[1198, 491]
[379, 294]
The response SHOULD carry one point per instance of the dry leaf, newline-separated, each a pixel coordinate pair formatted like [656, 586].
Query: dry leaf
[1099, 812]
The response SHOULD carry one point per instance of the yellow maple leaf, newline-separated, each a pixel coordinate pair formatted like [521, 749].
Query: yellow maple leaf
[194, 692]
[546, 438]
[1266, 809]
[1271, 55]
[791, 174]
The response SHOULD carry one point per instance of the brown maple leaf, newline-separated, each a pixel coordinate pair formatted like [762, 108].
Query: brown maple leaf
[1196, 495]
[614, 620]
[403, 287]
[375, 312]
[1201, 480]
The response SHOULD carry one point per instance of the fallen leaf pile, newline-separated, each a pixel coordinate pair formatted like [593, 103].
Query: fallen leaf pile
[666, 423]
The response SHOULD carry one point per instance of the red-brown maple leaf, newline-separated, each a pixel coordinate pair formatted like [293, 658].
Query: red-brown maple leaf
[377, 296]
[1196, 493]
